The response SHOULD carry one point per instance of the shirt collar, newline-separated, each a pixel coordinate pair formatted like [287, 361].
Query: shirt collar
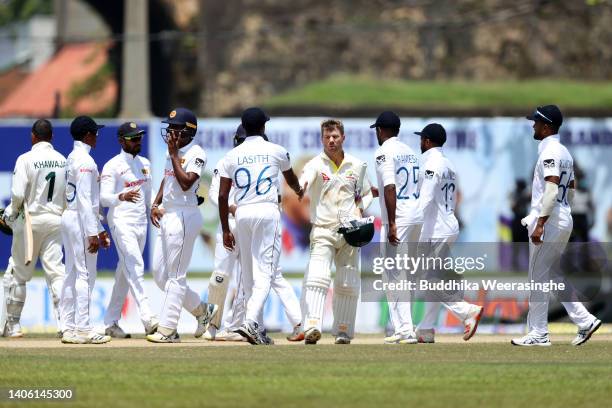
[548, 140]
[346, 160]
[252, 137]
[126, 156]
[434, 151]
[390, 140]
[82, 146]
[42, 146]
[184, 149]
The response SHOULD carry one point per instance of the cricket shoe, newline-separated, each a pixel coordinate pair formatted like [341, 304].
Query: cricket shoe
[267, 340]
[250, 331]
[151, 325]
[532, 340]
[92, 338]
[69, 337]
[12, 330]
[210, 310]
[426, 335]
[471, 323]
[402, 338]
[211, 333]
[585, 334]
[226, 335]
[157, 337]
[117, 332]
[297, 335]
[342, 338]
[312, 335]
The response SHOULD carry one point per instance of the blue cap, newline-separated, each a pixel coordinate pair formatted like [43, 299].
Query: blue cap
[434, 132]
[81, 125]
[387, 120]
[182, 117]
[550, 114]
[254, 119]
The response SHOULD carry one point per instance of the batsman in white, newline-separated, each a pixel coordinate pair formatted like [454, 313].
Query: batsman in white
[253, 169]
[397, 175]
[175, 212]
[125, 187]
[437, 200]
[338, 187]
[550, 225]
[82, 235]
[227, 267]
[39, 181]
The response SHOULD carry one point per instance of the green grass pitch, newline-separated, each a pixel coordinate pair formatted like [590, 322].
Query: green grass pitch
[486, 372]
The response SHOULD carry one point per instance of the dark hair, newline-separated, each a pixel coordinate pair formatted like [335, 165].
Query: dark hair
[394, 131]
[251, 130]
[42, 129]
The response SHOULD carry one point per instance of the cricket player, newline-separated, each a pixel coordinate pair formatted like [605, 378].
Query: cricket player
[549, 224]
[338, 187]
[227, 267]
[397, 175]
[82, 235]
[253, 169]
[125, 187]
[227, 264]
[437, 200]
[175, 212]
[39, 181]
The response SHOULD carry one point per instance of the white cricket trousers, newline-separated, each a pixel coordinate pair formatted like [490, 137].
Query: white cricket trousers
[460, 309]
[130, 241]
[542, 259]
[179, 228]
[326, 247]
[227, 269]
[399, 303]
[80, 276]
[258, 232]
[47, 245]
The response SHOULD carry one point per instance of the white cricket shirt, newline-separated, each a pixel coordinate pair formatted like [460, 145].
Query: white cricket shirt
[39, 179]
[396, 164]
[254, 168]
[121, 174]
[336, 191]
[82, 189]
[438, 195]
[193, 160]
[553, 160]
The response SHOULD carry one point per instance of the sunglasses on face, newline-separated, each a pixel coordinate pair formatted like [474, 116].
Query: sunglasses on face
[133, 138]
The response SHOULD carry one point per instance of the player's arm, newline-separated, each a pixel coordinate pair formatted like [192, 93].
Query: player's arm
[19, 187]
[108, 197]
[293, 182]
[184, 177]
[552, 177]
[156, 212]
[87, 212]
[385, 170]
[427, 191]
[147, 190]
[213, 191]
[285, 166]
[225, 186]
[365, 194]
[308, 175]
[551, 188]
